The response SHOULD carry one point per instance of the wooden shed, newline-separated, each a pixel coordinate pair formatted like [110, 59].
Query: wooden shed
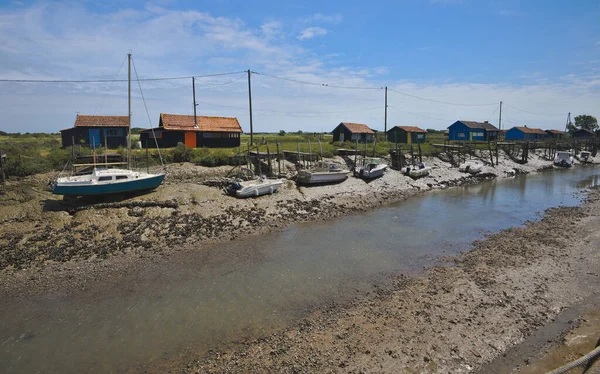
[525, 133]
[472, 130]
[348, 131]
[583, 134]
[556, 134]
[201, 131]
[97, 131]
[406, 134]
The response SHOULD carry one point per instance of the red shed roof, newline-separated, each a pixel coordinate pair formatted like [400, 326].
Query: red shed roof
[557, 132]
[204, 123]
[358, 128]
[101, 121]
[530, 130]
[411, 129]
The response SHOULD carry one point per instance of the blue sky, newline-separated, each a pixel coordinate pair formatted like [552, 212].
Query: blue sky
[542, 58]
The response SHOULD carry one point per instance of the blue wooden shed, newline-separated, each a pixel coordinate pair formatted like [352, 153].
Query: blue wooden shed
[525, 133]
[472, 130]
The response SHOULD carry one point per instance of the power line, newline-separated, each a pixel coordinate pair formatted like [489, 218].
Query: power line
[437, 101]
[226, 83]
[538, 114]
[318, 84]
[115, 80]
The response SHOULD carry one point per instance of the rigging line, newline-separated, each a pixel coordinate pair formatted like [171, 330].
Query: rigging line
[437, 101]
[226, 83]
[539, 114]
[494, 112]
[110, 87]
[148, 114]
[114, 80]
[318, 84]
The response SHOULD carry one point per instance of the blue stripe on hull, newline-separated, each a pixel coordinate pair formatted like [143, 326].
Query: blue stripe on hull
[110, 188]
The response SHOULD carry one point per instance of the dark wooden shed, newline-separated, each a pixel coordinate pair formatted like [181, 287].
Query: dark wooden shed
[348, 131]
[97, 131]
[203, 131]
[583, 134]
[556, 134]
[406, 134]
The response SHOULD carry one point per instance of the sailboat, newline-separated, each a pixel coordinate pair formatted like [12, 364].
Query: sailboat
[104, 181]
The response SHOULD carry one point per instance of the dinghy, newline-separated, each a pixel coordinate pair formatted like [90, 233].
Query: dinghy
[585, 157]
[470, 167]
[323, 173]
[564, 159]
[373, 167]
[256, 187]
[416, 171]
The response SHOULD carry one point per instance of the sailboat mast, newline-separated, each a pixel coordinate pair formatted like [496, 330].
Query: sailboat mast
[129, 110]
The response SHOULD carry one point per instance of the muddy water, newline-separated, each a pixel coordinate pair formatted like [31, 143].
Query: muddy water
[247, 288]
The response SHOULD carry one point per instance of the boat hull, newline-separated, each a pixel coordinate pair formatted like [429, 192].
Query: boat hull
[371, 174]
[322, 177]
[258, 190]
[142, 184]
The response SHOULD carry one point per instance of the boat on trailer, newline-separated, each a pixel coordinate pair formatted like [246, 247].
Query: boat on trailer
[372, 167]
[323, 173]
[104, 181]
[253, 188]
[564, 159]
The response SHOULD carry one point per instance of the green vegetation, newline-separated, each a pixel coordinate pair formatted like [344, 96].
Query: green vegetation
[585, 121]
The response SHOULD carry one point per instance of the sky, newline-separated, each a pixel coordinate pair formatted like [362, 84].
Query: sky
[442, 60]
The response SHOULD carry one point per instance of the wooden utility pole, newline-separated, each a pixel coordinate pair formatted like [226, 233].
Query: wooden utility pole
[250, 106]
[194, 97]
[500, 118]
[385, 120]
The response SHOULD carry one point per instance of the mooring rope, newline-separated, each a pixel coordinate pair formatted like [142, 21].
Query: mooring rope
[578, 362]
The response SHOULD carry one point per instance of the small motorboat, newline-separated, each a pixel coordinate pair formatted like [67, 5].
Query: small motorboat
[105, 182]
[418, 171]
[253, 188]
[585, 157]
[323, 173]
[372, 168]
[470, 167]
[564, 159]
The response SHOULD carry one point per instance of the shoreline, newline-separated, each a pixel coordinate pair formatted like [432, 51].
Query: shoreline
[46, 246]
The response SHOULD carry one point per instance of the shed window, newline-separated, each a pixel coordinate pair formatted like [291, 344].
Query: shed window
[114, 132]
[104, 179]
[478, 134]
[155, 135]
[354, 137]
[368, 137]
[461, 135]
[420, 136]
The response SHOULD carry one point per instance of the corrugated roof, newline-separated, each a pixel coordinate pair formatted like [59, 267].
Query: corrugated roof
[530, 130]
[358, 128]
[411, 129]
[557, 132]
[205, 123]
[101, 121]
[480, 125]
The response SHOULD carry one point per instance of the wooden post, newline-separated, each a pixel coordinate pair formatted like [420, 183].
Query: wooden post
[320, 147]
[72, 153]
[496, 152]
[248, 156]
[355, 153]
[298, 143]
[2, 167]
[278, 160]
[385, 120]
[269, 160]
[194, 98]
[309, 154]
[491, 155]
[105, 152]
[412, 154]
[147, 159]
[94, 154]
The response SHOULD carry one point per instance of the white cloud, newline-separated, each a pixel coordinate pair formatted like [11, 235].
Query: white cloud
[324, 18]
[271, 29]
[311, 32]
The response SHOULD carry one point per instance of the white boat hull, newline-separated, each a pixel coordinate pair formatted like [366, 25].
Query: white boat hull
[564, 159]
[318, 177]
[470, 167]
[373, 173]
[258, 188]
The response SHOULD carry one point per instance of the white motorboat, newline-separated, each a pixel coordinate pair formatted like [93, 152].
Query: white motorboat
[324, 173]
[256, 187]
[373, 167]
[470, 167]
[564, 159]
[416, 171]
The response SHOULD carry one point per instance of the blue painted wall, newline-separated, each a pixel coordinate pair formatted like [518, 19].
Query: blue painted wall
[460, 131]
[517, 134]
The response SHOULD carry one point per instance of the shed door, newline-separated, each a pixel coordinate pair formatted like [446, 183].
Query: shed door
[94, 135]
[190, 139]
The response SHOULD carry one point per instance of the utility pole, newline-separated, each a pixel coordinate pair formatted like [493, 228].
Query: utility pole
[385, 121]
[500, 119]
[128, 114]
[194, 97]
[250, 106]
